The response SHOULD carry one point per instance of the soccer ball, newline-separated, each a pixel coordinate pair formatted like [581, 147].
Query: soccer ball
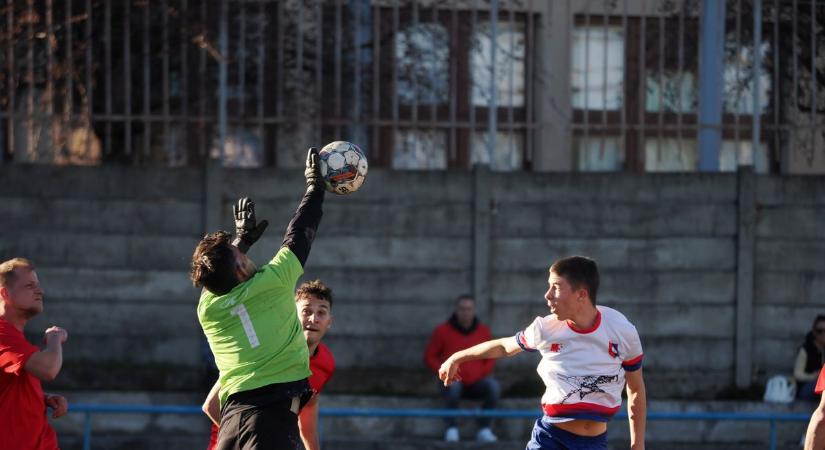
[343, 167]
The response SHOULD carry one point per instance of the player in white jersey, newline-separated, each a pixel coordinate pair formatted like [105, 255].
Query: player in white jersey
[588, 354]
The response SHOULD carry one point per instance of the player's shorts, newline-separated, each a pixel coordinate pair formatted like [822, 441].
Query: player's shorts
[263, 418]
[546, 436]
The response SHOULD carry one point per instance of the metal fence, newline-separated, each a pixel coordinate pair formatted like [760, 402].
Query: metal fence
[772, 418]
[744, 69]
[420, 84]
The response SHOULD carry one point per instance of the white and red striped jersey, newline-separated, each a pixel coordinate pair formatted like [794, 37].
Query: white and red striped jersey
[583, 370]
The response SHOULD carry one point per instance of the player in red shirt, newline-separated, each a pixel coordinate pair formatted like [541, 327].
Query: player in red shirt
[23, 365]
[313, 301]
[464, 330]
[815, 437]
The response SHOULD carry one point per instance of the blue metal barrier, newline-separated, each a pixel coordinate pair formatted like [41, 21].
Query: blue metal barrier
[772, 418]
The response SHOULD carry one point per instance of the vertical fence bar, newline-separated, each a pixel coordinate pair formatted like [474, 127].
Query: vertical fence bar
[472, 133]
[813, 83]
[30, 140]
[87, 431]
[642, 141]
[68, 97]
[147, 82]
[280, 66]
[223, 48]
[184, 78]
[433, 113]
[376, 81]
[107, 39]
[586, 90]
[660, 116]
[280, 69]
[203, 146]
[338, 69]
[299, 47]
[127, 75]
[795, 84]
[356, 130]
[167, 148]
[712, 44]
[414, 73]
[680, 76]
[510, 76]
[241, 58]
[394, 51]
[492, 116]
[260, 60]
[12, 82]
[89, 97]
[452, 155]
[737, 77]
[625, 100]
[319, 64]
[605, 62]
[529, 57]
[776, 84]
[49, 98]
[756, 113]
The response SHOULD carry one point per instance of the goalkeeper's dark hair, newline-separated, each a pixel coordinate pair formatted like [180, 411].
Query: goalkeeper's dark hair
[579, 271]
[213, 263]
[315, 288]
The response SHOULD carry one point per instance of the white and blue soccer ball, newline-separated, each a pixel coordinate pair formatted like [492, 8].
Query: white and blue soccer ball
[343, 167]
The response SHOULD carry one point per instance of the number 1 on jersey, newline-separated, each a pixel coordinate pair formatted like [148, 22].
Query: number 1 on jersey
[246, 321]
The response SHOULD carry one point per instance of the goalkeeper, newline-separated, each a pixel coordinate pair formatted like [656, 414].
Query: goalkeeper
[248, 317]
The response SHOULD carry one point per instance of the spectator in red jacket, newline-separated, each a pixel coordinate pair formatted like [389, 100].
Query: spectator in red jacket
[464, 330]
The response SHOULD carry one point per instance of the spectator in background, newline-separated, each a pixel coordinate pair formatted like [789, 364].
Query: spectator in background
[810, 359]
[461, 331]
[23, 365]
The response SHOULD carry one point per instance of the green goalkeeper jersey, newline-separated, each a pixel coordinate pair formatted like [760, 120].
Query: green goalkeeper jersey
[253, 330]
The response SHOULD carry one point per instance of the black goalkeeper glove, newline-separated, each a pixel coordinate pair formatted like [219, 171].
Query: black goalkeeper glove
[312, 172]
[247, 232]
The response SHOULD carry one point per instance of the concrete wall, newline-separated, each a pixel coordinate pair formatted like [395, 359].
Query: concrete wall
[113, 247]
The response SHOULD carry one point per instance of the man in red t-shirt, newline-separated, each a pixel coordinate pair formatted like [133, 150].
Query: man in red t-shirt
[313, 300]
[815, 437]
[23, 365]
[464, 330]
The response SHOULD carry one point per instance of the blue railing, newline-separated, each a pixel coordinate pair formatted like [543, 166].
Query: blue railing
[772, 418]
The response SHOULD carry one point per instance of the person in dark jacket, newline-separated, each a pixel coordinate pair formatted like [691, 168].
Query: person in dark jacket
[464, 330]
[810, 359]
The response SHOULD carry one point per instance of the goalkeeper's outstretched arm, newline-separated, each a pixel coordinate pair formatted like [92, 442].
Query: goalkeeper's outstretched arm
[304, 224]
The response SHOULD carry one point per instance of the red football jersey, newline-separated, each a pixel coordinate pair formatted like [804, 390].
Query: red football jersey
[820, 382]
[322, 365]
[23, 422]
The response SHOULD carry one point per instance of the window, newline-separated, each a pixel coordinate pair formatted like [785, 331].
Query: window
[635, 95]
[598, 67]
[436, 96]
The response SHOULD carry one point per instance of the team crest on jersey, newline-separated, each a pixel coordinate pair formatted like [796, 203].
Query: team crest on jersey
[613, 349]
[556, 347]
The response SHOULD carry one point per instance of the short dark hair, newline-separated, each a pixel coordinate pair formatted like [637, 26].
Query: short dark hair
[213, 264]
[464, 297]
[579, 271]
[7, 270]
[315, 288]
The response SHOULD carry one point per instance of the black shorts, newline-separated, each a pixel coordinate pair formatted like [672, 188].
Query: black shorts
[263, 418]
